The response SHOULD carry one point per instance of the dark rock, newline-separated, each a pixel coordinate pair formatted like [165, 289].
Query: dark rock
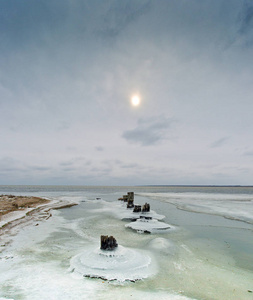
[146, 207]
[146, 218]
[130, 195]
[125, 198]
[137, 208]
[108, 242]
[130, 203]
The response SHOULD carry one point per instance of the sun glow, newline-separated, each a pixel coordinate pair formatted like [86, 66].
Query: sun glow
[135, 100]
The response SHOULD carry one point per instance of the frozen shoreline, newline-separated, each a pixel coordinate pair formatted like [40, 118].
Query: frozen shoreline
[12, 222]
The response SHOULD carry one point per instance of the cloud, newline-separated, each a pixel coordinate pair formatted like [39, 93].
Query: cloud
[220, 142]
[120, 14]
[9, 164]
[99, 148]
[249, 153]
[149, 132]
[40, 168]
[246, 23]
[66, 163]
[130, 166]
[63, 126]
[247, 18]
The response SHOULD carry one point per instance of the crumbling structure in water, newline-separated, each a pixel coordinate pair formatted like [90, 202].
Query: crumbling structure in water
[146, 207]
[108, 242]
[129, 198]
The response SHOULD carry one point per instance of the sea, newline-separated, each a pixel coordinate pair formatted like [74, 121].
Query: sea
[208, 254]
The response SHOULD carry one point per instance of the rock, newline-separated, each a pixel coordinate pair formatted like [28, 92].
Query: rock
[146, 207]
[130, 195]
[145, 217]
[130, 203]
[137, 208]
[108, 243]
[125, 198]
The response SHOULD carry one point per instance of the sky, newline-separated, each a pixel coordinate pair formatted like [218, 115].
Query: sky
[68, 70]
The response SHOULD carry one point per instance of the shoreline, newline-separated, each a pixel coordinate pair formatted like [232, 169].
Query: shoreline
[38, 208]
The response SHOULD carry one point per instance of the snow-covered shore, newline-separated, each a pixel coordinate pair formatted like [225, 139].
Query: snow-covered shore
[11, 222]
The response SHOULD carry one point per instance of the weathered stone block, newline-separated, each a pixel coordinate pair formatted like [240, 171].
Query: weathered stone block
[108, 242]
[137, 208]
[130, 203]
[146, 207]
[125, 198]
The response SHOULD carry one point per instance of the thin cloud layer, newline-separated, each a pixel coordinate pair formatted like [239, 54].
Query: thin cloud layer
[219, 142]
[149, 132]
[68, 71]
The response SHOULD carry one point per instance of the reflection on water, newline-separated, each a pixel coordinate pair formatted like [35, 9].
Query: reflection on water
[208, 257]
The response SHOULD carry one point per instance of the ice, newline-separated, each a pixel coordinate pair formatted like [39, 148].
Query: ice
[37, 264]
[150, 226]
[127, 214]
[12, 216]
[21, 214]
[121, 264]
[120, 211]
[163, 245]
[232, 206]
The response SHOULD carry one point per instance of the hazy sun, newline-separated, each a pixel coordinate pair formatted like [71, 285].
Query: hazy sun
[135, 100]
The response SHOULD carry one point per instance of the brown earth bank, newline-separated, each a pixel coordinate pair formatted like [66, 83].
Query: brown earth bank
[10, 203]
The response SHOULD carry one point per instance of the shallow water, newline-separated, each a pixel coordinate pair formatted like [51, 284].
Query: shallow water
[207, 256]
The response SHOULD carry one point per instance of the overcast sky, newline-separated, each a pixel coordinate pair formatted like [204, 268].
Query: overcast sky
[68, 70]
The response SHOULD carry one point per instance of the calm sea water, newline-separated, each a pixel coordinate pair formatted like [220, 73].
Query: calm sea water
[208, 256]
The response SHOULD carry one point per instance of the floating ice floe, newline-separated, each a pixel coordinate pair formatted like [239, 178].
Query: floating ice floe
[121, 264]
[146, 225]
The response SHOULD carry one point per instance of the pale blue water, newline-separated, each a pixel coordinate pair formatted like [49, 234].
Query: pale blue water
[212, 256]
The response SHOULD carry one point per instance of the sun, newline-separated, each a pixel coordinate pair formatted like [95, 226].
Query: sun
[135, 100]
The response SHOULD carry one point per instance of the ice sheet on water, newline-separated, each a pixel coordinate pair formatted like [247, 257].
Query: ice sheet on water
[233, 206]
[150, 226]
[162, 245]
[121, 264]
[120, 211]
[147, 295]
